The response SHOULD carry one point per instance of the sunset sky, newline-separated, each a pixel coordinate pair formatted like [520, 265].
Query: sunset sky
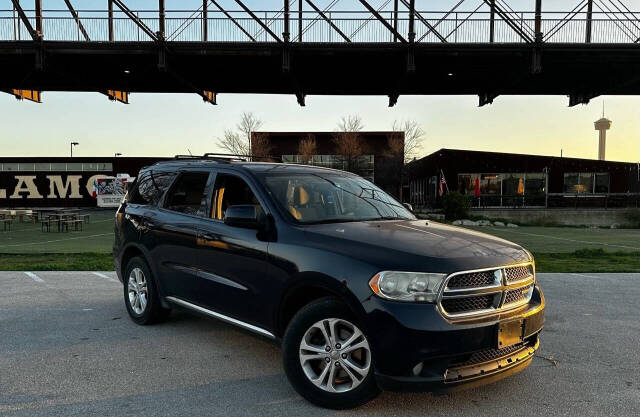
[163, 124]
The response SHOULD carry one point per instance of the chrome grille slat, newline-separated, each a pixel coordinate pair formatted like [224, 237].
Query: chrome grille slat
[486, 291]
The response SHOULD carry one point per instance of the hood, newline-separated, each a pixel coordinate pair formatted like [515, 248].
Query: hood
[415, 245]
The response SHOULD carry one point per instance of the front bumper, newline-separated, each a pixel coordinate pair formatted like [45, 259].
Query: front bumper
[416, 349]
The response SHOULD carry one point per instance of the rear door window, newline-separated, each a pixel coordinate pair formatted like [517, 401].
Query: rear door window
[188, 194]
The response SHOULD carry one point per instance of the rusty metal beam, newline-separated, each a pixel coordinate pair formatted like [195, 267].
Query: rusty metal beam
[259, 21]
[117, 95]
[77, 19]
[29, 95]
[135, 19]
[235, 22]
[25, 20]
[383, 20]
[326, 19]
[38, 9]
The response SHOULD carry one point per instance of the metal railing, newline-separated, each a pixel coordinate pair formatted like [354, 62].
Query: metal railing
[357, 26]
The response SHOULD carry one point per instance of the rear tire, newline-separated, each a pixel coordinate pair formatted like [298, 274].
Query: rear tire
[140, 294]
[327, 357]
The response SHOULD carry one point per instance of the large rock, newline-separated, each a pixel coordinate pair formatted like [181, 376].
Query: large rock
[499, 224]
[469, 223]
[484, 223]
[457, 222]
[511, 225]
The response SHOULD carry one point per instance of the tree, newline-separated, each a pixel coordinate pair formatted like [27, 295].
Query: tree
[413, 136]
[238, 142]
[307, 149]
[351, 123]
[260, 146]
[348, 142]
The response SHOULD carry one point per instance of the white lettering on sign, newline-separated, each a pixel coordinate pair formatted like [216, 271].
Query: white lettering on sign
[26, 185]
[55, 182]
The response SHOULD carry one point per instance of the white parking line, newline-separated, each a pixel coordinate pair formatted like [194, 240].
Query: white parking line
[98, 274]
[34, 277]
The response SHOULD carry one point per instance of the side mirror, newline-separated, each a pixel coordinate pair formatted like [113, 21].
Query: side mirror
[246, 216]
[408, 206]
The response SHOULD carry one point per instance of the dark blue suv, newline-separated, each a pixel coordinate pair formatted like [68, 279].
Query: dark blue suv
[361, 295]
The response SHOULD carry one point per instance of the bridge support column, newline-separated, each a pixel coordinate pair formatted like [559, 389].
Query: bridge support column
[205, 20]
[395, 19]
[299, 20]
[161, 17]
[411, 59]
[589, 21]
[286, 34]
[538, 23]
[38, 7]
[492, 21]
[110, 20]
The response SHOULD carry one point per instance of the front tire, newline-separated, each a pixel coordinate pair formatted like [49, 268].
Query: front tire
[140, 294]
[327, 357]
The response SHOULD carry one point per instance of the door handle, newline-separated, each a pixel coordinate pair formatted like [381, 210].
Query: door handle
[208, 236]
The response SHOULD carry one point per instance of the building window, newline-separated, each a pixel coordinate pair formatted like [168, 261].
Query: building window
[602, 183]
[583, 182]
[534, 184]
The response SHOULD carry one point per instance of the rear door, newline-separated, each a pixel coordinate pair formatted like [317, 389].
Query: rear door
[175, 232]
[235, 272]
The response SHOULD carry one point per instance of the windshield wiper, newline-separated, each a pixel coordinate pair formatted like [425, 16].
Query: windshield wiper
[335, 221]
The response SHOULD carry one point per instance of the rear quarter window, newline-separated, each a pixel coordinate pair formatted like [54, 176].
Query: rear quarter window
[151, 186]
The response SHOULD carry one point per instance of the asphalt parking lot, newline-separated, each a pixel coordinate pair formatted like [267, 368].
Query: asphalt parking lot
[67, 347]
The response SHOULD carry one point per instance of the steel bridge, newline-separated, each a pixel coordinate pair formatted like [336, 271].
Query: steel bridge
[392, 48]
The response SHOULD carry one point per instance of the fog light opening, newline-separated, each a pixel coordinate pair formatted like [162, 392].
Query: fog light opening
[417, 370]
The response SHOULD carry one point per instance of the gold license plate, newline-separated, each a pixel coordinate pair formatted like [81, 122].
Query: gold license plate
[510, 333]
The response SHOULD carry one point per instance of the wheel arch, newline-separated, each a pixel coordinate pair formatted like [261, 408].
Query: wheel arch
[308, 287]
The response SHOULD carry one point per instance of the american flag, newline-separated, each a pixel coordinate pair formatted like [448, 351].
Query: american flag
[443, 183]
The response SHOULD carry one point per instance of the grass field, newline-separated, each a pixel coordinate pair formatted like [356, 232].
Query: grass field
[557, 249]
[28, 237]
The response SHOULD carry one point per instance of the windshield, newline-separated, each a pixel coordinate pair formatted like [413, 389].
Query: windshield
[332, 198]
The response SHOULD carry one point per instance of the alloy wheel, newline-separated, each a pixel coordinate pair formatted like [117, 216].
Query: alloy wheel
[335, 355]
[138, 294]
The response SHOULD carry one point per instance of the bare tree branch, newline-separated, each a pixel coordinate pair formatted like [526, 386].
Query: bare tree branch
[238, 142]
[307, 149]
[351, 123]
[413, 138]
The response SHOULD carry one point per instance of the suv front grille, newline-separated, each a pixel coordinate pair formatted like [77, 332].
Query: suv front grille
[489, 355]
[519, 273]
[517, 295]
[486, 291]
[466, 304]
[472, 279]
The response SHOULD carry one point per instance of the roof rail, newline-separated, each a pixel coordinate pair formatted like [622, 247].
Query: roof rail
[226, 157]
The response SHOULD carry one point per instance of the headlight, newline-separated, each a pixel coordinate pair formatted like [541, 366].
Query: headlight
[407, 286]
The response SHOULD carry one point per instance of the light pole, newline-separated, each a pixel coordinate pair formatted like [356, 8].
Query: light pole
[72, 145]
[117, 154]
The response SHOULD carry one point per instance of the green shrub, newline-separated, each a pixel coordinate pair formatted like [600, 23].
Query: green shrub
[456, 206]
